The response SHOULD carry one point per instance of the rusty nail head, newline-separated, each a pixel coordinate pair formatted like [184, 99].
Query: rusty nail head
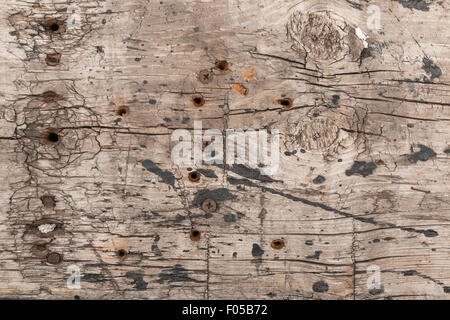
[209, 205]
[54, 258]
[277, 244]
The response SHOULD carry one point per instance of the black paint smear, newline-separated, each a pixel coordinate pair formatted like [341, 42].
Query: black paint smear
[336, 99]
[361, 167]
[354, 4]
[424, 154]
[316, 255]
[167, 176]
[424, 276]
[229, 217]
[319, 179]
[320, 286]
[138, 281]
[431, 69]
[247, 172]
[221, 194]
[422, 5]
[207, 173]
[175, 274]
[427, 233]
[290, 153]
[93, 277]
[447, 150]
[257, 251]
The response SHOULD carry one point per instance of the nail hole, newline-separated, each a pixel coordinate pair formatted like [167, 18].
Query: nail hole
[277, 244]
[53, 25]
[48, 201]
[54, 258]
[122, 253]
[198, 100]
[286, 103]
[39, 249]
[222, 65]
[122, 112]
[52, 137]
[195, 235]
[194, 176]
[53, 59]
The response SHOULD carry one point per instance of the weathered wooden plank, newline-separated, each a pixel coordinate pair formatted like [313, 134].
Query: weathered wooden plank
[364, 146]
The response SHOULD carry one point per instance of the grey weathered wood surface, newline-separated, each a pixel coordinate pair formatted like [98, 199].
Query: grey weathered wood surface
[387, 106]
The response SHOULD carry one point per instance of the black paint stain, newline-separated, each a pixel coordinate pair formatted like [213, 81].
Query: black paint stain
[320, 286]
[316, 255]
[426, 233]
[166, 176]
[93, 277]
[175, 274]
[422, 5]
[229, 217]
[336, 99]
[424, 154]
[309, 242]
[290, 153]
[257, 251]
[248, 173]
[319, 179]
[207, 173]
[221, 194]
[424, 276]
[376, 291]
[447, 150]
[361, 167]
[431, 69]
[354, 4]
[138, 281]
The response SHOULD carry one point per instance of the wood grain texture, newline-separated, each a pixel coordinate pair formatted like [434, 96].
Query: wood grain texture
[364, 172]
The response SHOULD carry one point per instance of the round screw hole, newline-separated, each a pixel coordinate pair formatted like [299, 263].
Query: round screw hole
[195, 235]
[286, 103]
[122, 253]
[198, 101]
[53, 137]
[277, 244]
[54, 258]
[122, 112]
[222, 66]
[194, 176]
[54, 27]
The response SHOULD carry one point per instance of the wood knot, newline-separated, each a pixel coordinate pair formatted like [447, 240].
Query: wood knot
[315, 35]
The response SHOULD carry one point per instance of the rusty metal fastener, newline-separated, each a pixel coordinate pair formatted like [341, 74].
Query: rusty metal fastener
[54, 258]
[209, 205]
[205, 76]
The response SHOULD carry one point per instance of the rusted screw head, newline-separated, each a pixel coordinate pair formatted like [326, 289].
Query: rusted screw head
[205, 76]
[53, 59]
[48, 201]
[54, 258]
[195, 235]
[277, 244]
[209, 205]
